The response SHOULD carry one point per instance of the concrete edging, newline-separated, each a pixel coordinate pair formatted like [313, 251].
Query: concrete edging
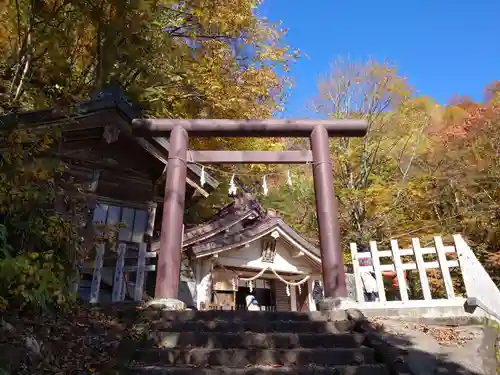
[394, 357]
[390, 355]
[472, 303]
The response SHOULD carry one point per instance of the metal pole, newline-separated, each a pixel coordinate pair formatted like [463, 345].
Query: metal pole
[169, 257]
[334, 284]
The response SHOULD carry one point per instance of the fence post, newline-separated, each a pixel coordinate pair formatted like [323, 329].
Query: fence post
[96, 274]
[465, 261]
[443, 264]
[377, 271]
[139, 278]
[360, 296]
[124, 287]
[400, 274]
[75, 286]
[118, 283]
[421, 268]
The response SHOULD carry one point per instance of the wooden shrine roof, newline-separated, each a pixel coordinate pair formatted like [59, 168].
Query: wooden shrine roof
[85, 122]
[223, 242]
[237, 224]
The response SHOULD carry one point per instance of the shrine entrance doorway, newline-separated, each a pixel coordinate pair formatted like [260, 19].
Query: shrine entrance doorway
[263, 296]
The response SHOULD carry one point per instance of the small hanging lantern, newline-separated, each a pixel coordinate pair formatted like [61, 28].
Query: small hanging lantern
[232, 187]
[265, 190]
[288, 290]
[202, 177]
[250, 286]
[289, 178]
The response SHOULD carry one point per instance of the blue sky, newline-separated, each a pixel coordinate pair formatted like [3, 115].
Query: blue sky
[444, 47]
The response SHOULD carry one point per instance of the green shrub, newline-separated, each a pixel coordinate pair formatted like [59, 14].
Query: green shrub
[38, 246]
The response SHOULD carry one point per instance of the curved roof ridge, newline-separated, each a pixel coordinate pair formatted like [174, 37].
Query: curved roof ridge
[249, 234]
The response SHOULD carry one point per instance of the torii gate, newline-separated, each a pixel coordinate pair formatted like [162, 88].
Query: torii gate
[169, 257]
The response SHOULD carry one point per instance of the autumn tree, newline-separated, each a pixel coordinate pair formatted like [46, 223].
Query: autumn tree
[182, 60]
[464, 158]
[372, 173]
[38, 243]
[492, 92]
[190, 59]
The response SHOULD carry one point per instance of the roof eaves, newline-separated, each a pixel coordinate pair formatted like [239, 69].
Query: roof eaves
[130, 113]
[106, 100]
[297, 237]
[236, 240]
[195, 168]
[53, 115]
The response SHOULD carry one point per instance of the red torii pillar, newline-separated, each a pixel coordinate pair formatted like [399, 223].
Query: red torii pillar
[319, 131]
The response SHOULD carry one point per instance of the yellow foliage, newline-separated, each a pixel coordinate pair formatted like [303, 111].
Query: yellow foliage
[30, 279]
[190, 59]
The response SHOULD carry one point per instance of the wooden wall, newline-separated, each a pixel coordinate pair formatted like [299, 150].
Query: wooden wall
[303, 298]
[282, 300]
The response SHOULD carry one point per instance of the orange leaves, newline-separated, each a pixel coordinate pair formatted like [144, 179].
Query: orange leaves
[464, 119]
[492, 91]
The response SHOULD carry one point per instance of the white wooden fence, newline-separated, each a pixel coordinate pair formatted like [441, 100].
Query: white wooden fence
[457, 259]
[478, 287]
[118, 276]
[395, 263]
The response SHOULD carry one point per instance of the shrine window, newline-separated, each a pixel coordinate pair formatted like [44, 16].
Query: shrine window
[131, 222]
[268, 249]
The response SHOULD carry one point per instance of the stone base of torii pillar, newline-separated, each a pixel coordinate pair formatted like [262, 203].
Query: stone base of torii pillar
[170, 304]
[340, 308]
[338, 303]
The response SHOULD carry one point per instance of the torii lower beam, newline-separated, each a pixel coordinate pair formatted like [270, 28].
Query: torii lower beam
[167, 281]
[250, 157]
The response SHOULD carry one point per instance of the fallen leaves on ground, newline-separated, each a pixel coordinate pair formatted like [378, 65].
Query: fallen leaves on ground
[446, 336]
[83, 341]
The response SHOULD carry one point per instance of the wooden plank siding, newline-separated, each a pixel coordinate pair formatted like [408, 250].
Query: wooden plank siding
[302, 298]
[282, 301]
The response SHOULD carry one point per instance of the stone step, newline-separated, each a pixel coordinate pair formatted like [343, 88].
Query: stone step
[377, 369]
[131, 312]
[232, 316]
[252, 326]
[244, 340]
[241, 358]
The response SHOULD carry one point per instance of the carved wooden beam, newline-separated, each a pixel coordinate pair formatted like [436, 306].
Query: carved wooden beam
[96, 175]
[111, 133]
[164, 159]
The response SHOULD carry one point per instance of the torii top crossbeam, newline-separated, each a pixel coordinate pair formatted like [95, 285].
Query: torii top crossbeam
[250, 128]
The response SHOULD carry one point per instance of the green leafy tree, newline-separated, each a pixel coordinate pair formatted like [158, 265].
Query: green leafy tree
[38, 245]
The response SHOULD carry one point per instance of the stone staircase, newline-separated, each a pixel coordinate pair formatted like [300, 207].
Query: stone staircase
[250, 343]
